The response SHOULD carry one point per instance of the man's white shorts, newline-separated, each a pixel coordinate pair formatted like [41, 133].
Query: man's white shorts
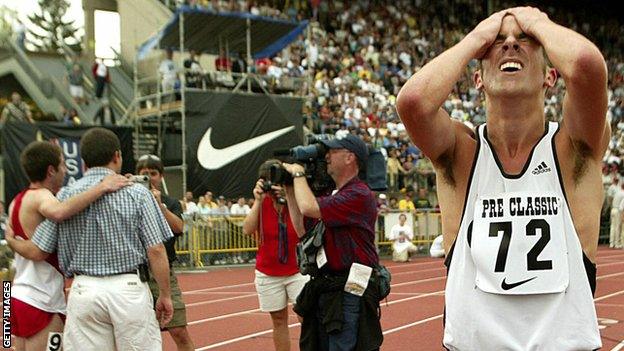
[76, 91]
[110, 313]
[274, 293]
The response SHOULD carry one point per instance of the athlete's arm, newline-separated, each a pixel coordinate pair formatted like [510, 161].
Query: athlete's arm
[419, 101]
[51, 208]
[25, 248]
[584, 71]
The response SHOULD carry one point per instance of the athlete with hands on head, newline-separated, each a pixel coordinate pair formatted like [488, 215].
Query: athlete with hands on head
[520, 197]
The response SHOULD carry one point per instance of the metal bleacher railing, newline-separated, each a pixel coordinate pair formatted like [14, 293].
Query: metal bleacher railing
[213, 238]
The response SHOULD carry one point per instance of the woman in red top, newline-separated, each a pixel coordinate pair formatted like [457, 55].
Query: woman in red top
[278, 280]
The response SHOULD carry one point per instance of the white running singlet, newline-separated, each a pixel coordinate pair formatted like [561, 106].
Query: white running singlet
[517, 276]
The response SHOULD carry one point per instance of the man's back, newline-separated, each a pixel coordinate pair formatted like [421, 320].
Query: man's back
[110, 236]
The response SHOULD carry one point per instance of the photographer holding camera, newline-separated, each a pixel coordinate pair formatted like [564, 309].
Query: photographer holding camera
[333, 313]
[151, 166]
[278, 280]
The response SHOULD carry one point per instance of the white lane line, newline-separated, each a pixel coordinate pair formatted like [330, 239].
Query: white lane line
[252, 283]
[422, 321]
[609, 275]
[619, 346]
[217, 288]
[608, 296]
[220, 300]
[224, 316]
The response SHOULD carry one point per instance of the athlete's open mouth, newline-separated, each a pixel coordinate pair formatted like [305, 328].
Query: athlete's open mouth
[511, 66]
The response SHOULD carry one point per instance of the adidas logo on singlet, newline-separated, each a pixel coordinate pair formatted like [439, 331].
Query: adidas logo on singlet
[541, 168]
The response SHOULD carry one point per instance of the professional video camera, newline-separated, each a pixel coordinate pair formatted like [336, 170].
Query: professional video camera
[312, 157]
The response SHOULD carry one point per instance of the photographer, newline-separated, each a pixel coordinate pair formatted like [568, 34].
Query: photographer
[349, 218]
[152, 166]
[278, 280]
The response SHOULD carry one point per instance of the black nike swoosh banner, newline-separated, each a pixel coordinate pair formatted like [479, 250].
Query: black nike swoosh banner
[16, 135]
[234, 118]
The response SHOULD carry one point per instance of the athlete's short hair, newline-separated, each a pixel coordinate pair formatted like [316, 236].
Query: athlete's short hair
[37, 157]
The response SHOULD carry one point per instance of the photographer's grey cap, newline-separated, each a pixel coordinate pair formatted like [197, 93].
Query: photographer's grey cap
[351, 143]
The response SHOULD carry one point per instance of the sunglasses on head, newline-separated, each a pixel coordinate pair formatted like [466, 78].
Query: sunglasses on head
[149, 157]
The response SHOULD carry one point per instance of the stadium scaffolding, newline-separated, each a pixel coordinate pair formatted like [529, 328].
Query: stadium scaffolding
[209, 32]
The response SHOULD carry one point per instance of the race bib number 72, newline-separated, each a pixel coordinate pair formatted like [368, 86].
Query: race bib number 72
[518, 244]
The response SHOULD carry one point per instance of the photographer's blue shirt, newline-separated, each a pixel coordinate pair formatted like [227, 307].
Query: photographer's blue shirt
[349, 216]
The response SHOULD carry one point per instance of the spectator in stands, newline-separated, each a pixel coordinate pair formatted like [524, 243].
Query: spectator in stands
[393, 204]
[616, 215]
[101, 76]
[75, 78]
[209, 201]
[152, 166]
[406, 203]
[193, 71]
[105, 113]
[223, 63]
[394, 168]
[190, 206]
[240, 208]
[168, 72]
[278, 280]
[401, 236]
[203, 207]
[425, 173]
[422, 201]
[70, 117]
[19, 31]
[222, 208]
[16, 110]
[239, 65]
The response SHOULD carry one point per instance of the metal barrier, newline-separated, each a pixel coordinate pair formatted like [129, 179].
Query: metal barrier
[213, 238]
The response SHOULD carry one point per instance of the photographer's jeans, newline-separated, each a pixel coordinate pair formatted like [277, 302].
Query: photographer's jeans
[346, 339]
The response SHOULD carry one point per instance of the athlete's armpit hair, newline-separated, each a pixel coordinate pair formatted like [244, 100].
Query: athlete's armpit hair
[445, 164]
[581, 153]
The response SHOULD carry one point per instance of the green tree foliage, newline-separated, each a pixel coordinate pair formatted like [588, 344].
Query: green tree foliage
[51, 29]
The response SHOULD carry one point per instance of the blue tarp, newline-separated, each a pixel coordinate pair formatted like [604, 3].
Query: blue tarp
[206, 31]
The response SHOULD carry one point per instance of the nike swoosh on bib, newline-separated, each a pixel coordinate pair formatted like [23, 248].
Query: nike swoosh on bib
[211, 158]
[506, 286]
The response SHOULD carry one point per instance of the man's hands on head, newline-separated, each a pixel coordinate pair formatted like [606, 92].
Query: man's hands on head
[527, 17]
[114, 182]
[486, 32]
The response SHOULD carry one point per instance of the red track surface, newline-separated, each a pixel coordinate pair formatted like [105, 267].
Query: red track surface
[222, 307]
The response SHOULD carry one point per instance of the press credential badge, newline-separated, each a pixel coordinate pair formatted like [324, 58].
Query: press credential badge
[321, 258]
[357, 281]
